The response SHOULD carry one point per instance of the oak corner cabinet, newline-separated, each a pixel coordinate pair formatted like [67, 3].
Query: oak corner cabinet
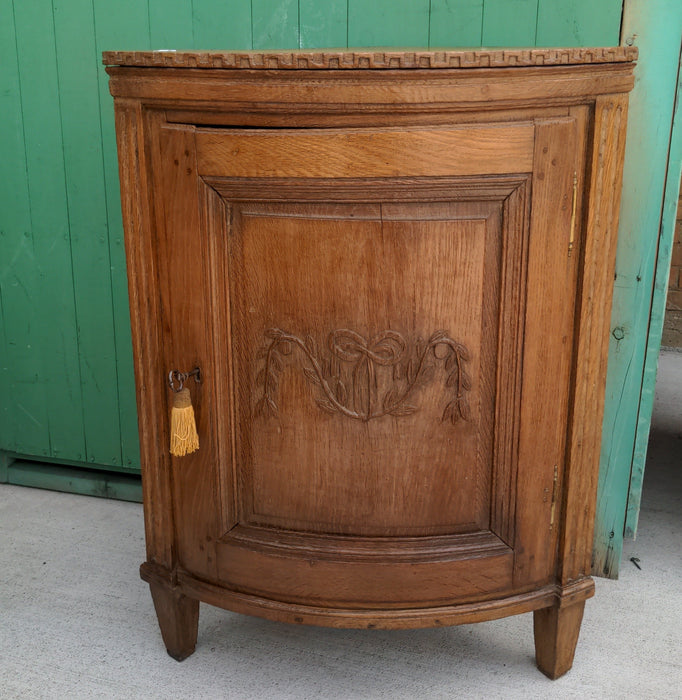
[394, 272]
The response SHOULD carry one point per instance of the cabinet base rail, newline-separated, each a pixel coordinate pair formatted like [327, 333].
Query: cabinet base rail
[557, 613]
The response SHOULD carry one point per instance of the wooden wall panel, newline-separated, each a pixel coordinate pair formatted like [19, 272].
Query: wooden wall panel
[68, 389]
[219, 24]
[669, 249]
[323, 23]
[388, 23]
[123, 23]
[88, 226]
[54, 328]
[510, 22]
[170, 24]
[656, 27]
[456, 23]
[275, 24]
[578, 22]
[23, 413]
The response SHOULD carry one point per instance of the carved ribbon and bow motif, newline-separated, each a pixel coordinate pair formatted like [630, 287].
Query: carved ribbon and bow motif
[357, 392]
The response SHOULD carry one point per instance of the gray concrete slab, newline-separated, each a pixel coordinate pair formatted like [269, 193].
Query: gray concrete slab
[77, 622]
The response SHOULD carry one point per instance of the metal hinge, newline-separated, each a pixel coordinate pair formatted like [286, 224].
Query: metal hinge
[555, 494]
[571, 240]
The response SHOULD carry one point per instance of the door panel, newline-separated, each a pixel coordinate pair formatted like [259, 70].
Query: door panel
[359, 371]
[363, 396]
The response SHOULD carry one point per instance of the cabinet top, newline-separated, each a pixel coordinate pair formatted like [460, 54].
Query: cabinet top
[371, 59]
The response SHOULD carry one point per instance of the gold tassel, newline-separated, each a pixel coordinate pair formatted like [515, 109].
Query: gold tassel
[184, 439]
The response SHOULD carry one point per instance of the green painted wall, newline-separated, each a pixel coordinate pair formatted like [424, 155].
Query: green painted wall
[650, 184]
[66, 378]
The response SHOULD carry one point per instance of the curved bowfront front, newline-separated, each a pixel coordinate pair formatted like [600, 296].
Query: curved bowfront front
[393, 270]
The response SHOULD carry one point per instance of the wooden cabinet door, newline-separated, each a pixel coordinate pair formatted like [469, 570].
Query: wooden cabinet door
[383, 319]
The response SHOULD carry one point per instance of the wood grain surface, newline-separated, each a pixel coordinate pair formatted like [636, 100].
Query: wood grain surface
[329, 154]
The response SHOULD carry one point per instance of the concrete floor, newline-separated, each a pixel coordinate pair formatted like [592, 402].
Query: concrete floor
[77, 622]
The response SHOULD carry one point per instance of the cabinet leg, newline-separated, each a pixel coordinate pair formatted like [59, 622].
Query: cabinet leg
[178, 618]
[556, 635]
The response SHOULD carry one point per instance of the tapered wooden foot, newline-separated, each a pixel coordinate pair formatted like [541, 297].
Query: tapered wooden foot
[556, 635]
[178, 618]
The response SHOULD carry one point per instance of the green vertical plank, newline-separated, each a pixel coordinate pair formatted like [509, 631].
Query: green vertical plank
[5, 432]
[23, 410]
[324, 24]
[22, 367]
[82, 139]
[658, 304]
[656, 25]
[124, 25]
[55, 329]
[170, 23]
[388, 23]
[579, 23]
[509, 22]
[275, 24]
[221, 25]
[456, 23]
